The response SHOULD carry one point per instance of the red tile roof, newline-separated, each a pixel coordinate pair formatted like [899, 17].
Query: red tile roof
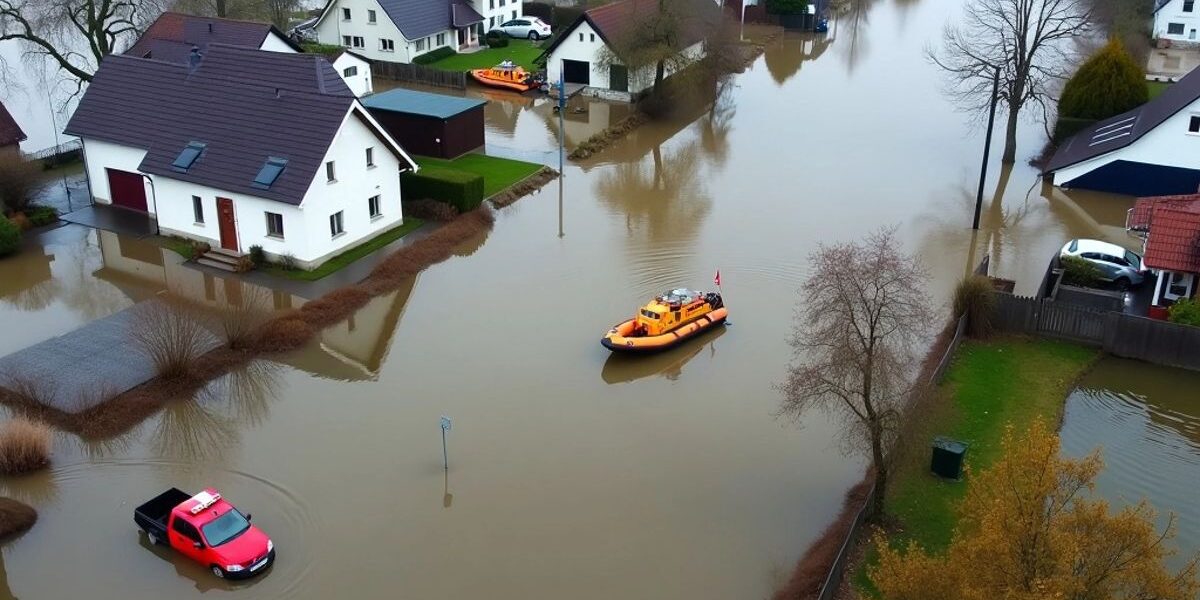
[1174, 243]
[1139, 217]
[10, 132]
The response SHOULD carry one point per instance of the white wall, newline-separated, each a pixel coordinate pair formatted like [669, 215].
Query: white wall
[360, 84]
[274, 43]
[495, 12]
[1173, 13]
[100, 155]
[355, 184]
[584, 44]
[1169, 144]
[332, 29]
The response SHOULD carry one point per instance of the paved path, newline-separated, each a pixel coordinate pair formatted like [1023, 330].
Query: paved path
[117, 220]
[86, 366]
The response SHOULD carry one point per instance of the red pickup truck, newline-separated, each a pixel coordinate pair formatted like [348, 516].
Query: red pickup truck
[207, 529]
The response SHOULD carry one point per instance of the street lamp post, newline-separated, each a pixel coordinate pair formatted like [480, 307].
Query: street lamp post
[987, 147]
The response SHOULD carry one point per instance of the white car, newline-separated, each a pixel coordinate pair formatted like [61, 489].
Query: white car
[525, 27]
[1121, 267]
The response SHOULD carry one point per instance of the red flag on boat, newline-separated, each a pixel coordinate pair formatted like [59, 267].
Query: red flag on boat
[717, 278]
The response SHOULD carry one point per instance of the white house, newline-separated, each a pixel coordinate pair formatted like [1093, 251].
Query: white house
[355, 71]
[1177, 21]
[245, 148]
[401, 30]
[578, 54]
[1152, 150]
[173, 36]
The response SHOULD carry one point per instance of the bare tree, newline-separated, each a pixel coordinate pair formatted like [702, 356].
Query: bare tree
[657, 41]
[862, 315]
[76, 34]
[1026, 40]
[279, 12]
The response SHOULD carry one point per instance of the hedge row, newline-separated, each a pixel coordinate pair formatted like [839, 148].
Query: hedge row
[460, 189]
[434, 55]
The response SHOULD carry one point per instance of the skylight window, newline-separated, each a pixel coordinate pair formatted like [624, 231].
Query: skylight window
[188, 157]
[270, 172]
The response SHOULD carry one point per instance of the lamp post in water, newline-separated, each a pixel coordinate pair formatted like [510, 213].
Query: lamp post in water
[987, 147]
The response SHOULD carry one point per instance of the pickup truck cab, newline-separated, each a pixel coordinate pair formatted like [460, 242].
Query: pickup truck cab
[207, 529]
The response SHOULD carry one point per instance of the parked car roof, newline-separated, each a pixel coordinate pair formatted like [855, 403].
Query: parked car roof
[242, 106]
[1087, 245]
[1126, 128]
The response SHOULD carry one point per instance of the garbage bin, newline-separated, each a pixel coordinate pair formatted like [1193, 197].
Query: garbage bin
[947, 461]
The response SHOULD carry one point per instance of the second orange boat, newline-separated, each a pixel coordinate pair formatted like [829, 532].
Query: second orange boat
[506, 75]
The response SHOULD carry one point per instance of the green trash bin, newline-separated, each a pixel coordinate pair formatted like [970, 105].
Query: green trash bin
[947, 460]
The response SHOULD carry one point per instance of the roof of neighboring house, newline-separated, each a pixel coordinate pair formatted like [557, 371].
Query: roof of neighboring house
[172, 36]
[615, 21]
[244, 105]
[1126, 128]
[1159, 4]
[462, 15]
[414, 18]
[1140, 216]
[10, 132]
[1174, 242]
[425, 104]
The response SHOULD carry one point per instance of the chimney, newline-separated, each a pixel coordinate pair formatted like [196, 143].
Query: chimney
[194, 59]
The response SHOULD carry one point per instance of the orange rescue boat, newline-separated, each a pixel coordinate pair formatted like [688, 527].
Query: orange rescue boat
[506, 75]
[667, 321]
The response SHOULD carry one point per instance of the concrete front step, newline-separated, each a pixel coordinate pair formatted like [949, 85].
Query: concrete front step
[216, 264]
[221, 258]
[224, 252]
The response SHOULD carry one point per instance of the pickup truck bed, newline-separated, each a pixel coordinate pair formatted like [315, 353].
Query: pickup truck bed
[152, 516]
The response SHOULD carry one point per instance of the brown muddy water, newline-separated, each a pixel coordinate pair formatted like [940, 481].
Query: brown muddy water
[1146, 422]
[572, 473]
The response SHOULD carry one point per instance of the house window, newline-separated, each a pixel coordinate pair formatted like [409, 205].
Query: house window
[188, 156]
[1179, 285]
[501, 2]
[330, 174]
[358, 42]
[198, 210]
[1194, 124]
[349, 71]
[370, 157]
[346, 41]
[387, 45]
[491, 22]
[1174, 28]
[275, 225]
[345, 14]
[420, 45]
[491, 4]
[335, 224]
[371, 17]
[373, 206]
[593, 37]
[1189, 5]
[441, 39]
[271, 170]
[514, 14]
[581, 37]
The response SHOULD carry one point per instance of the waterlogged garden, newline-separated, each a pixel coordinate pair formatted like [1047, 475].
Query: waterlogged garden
[568, 471]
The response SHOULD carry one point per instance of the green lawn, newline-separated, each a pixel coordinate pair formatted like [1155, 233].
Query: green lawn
[521, 52]
[338, 262]
[498, 173]
[990, 384]
[1156, 88]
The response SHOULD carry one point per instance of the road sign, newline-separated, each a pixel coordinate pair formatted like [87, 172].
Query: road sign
[445, 423]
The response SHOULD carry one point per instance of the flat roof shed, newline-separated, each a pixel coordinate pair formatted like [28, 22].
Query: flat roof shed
[429, 124]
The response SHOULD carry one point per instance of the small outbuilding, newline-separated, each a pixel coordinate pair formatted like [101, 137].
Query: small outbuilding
[434, 125]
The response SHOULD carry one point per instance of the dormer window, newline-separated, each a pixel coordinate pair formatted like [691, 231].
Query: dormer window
[270, 172]
[188, 157]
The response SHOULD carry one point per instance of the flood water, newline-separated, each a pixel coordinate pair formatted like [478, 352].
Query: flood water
[571, 473]
[1146, 421]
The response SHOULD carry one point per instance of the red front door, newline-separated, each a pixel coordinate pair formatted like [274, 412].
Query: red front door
[128, 190]
[227, 224]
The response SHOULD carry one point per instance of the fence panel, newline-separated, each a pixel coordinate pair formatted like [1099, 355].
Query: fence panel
[1159, 342]
[1071, 322]
[419, 74]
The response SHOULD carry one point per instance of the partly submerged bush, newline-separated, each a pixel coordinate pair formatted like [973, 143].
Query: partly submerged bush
[170, 335]
[974, 297]
[10, 237]
[19, 180]
[429, 210]
[15, 517]
[24, 446]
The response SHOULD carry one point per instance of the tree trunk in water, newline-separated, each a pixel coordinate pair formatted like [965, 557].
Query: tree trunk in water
[1010, 136]
[881, 475]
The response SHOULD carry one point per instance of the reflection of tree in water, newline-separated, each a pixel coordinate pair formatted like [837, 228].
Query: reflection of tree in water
[210, 423]
[854, 25]
[31, 286]
[784, 58]
[715, 127]
[903, 7]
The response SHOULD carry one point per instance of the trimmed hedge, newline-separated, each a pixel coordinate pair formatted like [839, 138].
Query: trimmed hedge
[10, 235]
[496, 39]
[460, 189]
[323, 49]
[434, 55]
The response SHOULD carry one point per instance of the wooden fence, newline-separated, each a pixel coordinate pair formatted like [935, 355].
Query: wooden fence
[419, 74]
[1119, 334]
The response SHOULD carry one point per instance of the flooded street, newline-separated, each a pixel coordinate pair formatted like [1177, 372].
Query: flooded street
[572, 473]
[1147, 422]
